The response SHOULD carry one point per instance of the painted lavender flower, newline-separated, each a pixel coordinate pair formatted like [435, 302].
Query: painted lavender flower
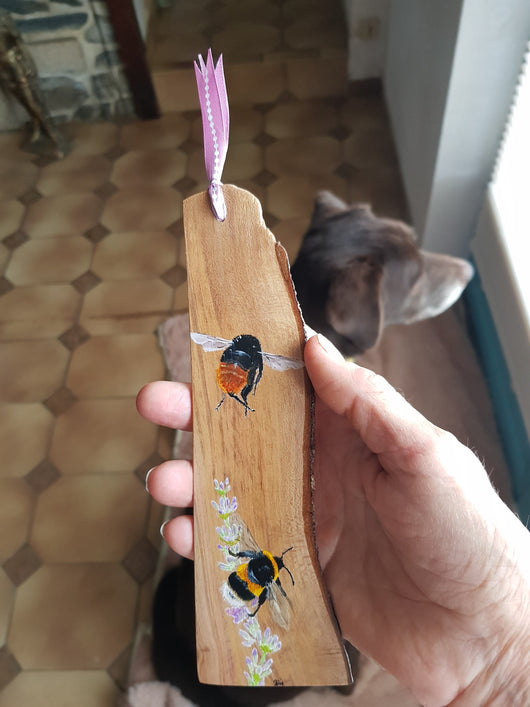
[263, 644]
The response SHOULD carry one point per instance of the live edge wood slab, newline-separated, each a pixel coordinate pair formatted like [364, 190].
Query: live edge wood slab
[252, 488]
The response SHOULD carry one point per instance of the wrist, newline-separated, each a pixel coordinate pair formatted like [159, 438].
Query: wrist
[505, 682]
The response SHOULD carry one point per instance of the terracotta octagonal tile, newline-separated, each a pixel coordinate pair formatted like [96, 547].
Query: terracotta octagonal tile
[184, 45]
[49, 260]
[315, 31]
[38, 302]
[31, 373]
[250, 11]
[290, 233]
[127, 298]
[108, 366]
[51, 688]
[62, 215]
[142, 208]
[246, 40]
[134, 255]
[89, 518]
[293, 196]
[101, 435]
[16, 177]
[364, 112]
[245, 124]
[48, 607]
[244, 160]
[370, 148]
[115, 152]
[11, 213]
[91, 138]
[75, 173]
[317, 78]
[255, 82]
[307, 156]
[186, 186]
[16, 504]
[10, 146]
[149, 167]
[164, 133]
[22, 451]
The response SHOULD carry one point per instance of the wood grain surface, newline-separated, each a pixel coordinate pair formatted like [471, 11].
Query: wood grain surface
[239, 283]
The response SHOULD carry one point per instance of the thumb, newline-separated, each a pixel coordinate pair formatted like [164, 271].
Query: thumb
[386, 422]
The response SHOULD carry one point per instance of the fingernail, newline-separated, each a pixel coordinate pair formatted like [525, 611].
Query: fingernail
[147, 478]
[162, 528]
[330, 348]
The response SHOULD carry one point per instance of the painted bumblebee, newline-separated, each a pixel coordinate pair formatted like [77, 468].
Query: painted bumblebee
[259, 578]
[241, 365]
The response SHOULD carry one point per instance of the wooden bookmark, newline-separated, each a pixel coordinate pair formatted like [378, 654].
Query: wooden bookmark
[262, 613]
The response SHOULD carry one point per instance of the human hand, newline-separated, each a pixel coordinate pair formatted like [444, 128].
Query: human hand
[428, 570]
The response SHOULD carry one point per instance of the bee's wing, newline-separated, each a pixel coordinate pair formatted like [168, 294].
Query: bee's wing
[209, 343]
[246, 541]
[279, 604]
[280, 363]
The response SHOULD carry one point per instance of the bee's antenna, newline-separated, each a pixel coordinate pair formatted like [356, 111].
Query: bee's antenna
[283, 564]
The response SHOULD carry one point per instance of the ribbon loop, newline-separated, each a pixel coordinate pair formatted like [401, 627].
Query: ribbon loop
[215, 124]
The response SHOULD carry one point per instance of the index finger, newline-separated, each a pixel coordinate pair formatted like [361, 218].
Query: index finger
[167, 404]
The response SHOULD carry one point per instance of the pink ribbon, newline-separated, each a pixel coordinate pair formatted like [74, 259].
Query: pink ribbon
[215, 124]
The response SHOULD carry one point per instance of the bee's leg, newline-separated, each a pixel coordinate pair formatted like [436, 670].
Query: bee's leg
[258, 376]
[220, 402]
[242, 402]
[262, 599]
[244, 395]
[282, 590]
[243, 553]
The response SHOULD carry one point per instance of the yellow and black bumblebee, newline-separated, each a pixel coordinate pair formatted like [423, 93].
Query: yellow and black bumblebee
[259, 578]
[241, 365]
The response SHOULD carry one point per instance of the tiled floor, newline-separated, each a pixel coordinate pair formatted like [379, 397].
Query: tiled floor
[92, 260]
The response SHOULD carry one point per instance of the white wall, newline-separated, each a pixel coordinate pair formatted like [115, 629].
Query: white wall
[367, 23]
[451, 67]
[421, 40]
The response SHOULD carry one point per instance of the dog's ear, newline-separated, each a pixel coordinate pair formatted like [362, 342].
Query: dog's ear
[327, 205]
[354, 304]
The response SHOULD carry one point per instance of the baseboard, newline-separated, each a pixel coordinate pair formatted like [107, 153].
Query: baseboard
[508, 415]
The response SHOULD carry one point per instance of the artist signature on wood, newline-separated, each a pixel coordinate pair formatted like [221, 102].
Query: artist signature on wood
[249, 585]
[241, 365]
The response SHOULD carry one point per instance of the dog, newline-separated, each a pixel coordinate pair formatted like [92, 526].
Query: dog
[356, 273]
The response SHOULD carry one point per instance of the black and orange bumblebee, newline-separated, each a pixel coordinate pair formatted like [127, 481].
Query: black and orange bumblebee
[241, 365]
[259, 579]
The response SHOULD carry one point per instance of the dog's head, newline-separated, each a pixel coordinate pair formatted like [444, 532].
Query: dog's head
[356, 273]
